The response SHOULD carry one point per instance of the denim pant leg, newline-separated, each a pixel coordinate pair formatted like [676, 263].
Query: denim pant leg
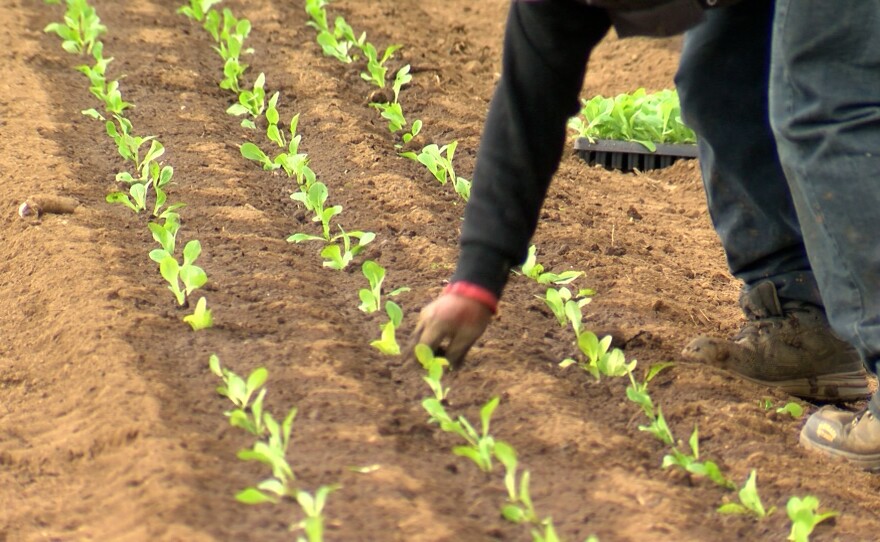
[722, 81]
[825, 112]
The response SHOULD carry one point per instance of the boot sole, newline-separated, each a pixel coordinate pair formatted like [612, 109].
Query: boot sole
[836, 387]
[868, 462]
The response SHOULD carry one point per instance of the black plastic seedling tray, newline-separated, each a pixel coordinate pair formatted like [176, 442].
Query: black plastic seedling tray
[627, 156]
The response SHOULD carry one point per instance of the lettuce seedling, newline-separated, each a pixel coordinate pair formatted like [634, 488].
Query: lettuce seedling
[640, 117]
[136, 199]
[272, 132]
[792, 409]
[166, 235]
[431, 156]
[659, 428]
[315, 10]
[189, 274]
[240, 391]
[97, 72]
[314, 200]
[387, 344]
[370, 298]
[803, 516]
[197, 9]
[81, 27]
[480, 445]
[337, 257]
[402, 77]
[434, 367]
[201, 317]
[255, 154]
[313, 508]
[556, 300]
[376, 69]
[637, 392]
[408, 136]
[251, 102]
[393, 113]
[232, 72]
[112, 97]
[535, 271]
[334, 45]
[690, 462]
[749, 501]
[599, 360]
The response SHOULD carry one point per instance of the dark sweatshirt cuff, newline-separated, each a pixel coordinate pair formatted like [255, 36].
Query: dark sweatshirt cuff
[483, 266]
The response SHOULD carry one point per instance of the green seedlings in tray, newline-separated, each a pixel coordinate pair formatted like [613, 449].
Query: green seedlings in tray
[387, 343]
[640, 117]
[376, 69]
[197, 9]
[804, 517]
[556, 300]
[749, 501]
[201, 317]
[81, 27]
[535, 271]
[191, 275]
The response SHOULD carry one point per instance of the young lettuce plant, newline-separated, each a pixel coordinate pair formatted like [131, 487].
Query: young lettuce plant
[255, 154]
[336, 257]
[371, 299]
[535, 271]
[749, 501]
[393, 113]
[81, 27]
[557, 299]
[317, 13]
[273, 133]
[247, 415]
[434, 367]
[691, 463]
[402, 77]
[376, 69]
[189, 274]
[480, 445]
[387, 343]
[315, 200]
[251, 102]
[201, 317]
[804, 517]
[197, 9]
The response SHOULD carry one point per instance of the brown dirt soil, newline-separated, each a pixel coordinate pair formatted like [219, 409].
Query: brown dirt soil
[110, 428]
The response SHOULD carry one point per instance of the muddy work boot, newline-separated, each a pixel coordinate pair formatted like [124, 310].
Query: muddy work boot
[790, 347]
[853, 436]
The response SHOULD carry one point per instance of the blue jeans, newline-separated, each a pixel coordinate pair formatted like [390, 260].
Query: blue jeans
[785, 99]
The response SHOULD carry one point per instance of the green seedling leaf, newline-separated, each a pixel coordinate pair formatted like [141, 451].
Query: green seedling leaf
[804, 517]
[253, 495]
[792, 409]
[750, 501]
[366, 469]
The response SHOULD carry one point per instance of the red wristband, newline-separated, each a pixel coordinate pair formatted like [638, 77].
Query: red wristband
[475, 292]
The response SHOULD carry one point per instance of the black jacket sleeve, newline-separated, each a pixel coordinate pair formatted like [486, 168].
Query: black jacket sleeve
[546, 47]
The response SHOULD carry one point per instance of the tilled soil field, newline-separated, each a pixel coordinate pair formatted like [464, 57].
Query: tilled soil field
[110, 426]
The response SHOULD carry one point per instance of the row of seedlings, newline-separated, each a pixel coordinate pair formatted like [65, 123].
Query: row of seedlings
[481, 447]
[79, 32]
[339, 41]
[148, 180]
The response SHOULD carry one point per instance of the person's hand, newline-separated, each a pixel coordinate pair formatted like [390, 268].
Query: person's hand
[453, 322]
